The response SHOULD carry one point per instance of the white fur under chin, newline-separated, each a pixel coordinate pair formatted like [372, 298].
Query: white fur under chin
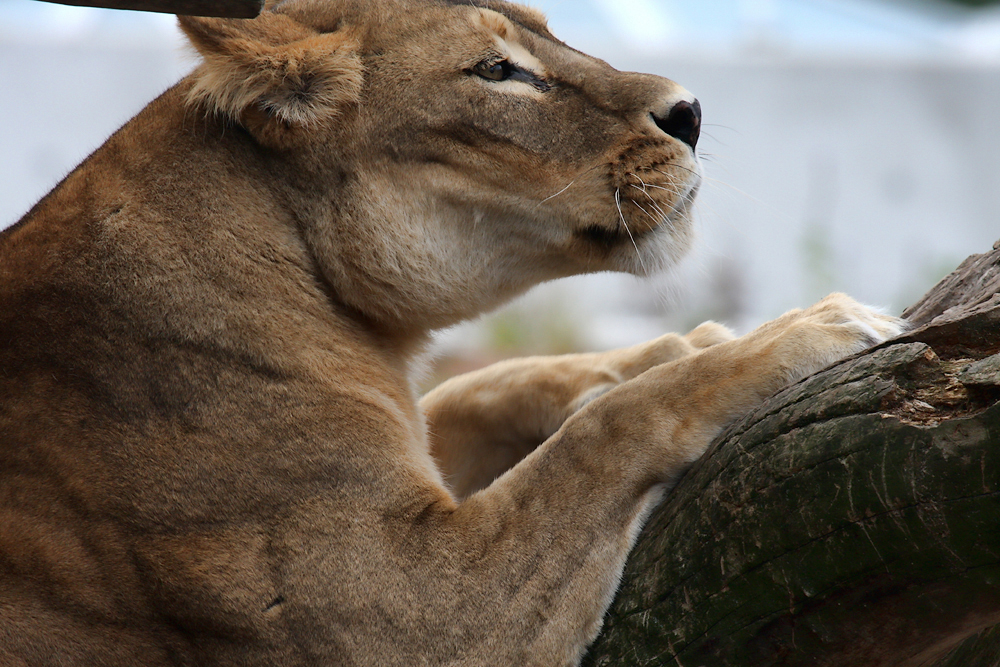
[659, 250]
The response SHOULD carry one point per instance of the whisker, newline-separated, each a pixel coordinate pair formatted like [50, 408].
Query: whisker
[724, 127]
[558, 193]
[677, 166]
[648, 214]
[642, 189]
[570, 184]
[650, 197]
[672, 191]
[715, 181]
[647, 185]
[735, 189]
[656, 206]
[621, 215]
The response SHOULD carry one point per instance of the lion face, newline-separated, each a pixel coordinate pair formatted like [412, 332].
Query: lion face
[446, 157]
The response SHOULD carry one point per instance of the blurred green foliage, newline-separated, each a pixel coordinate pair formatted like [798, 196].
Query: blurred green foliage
[525, 329]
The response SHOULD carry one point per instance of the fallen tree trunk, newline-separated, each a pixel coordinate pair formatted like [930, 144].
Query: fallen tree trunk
[854, 519]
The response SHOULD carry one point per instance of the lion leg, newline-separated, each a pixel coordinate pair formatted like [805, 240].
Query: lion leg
[546, 542]
[482, 423]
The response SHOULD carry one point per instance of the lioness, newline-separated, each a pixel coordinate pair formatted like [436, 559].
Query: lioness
[210, 448]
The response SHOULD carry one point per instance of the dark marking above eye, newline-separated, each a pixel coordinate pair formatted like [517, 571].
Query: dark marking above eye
[275, 603]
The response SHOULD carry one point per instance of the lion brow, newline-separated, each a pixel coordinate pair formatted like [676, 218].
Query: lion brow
[527, 17]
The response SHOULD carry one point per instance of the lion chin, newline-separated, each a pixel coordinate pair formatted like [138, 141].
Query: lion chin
[210, 449]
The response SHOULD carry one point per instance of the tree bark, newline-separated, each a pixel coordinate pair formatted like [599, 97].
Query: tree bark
[853, 519]
[237, 9]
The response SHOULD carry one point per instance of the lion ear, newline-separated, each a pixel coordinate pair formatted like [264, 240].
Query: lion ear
[275, 66]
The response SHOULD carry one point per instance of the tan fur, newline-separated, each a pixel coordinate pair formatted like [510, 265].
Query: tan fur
[210, 450]
[241, 72]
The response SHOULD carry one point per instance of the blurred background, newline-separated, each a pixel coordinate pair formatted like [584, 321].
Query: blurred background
[848, 145]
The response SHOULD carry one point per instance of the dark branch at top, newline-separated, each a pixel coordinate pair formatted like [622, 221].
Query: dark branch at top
[237, 9]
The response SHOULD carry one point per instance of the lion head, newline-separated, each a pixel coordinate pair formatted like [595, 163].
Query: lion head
[442, 157]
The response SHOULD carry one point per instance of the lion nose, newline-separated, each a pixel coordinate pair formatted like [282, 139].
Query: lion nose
[682, 121]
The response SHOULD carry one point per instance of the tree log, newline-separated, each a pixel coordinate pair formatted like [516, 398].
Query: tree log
[236, 9]
[853, 519]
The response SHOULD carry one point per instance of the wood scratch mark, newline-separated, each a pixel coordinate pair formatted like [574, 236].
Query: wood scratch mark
[677, 658]
[877, 552]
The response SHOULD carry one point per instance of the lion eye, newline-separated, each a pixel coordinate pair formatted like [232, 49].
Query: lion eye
[494, 70]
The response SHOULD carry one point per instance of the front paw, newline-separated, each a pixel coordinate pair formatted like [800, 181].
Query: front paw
[708, 334]
[806, 341]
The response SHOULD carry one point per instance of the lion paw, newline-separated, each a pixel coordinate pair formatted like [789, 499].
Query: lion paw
[832, 329]
[708, 334]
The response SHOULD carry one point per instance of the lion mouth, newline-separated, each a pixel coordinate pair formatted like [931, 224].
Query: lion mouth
[600, 235]
[642, 213]
[648, 196]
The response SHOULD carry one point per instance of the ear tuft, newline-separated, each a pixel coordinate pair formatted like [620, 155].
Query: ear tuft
[273, 64]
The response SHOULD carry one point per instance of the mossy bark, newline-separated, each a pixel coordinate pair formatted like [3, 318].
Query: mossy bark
[854, 519]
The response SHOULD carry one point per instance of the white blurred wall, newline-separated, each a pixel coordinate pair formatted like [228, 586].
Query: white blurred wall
[69, 77]
[824, 171]
[842, 174]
